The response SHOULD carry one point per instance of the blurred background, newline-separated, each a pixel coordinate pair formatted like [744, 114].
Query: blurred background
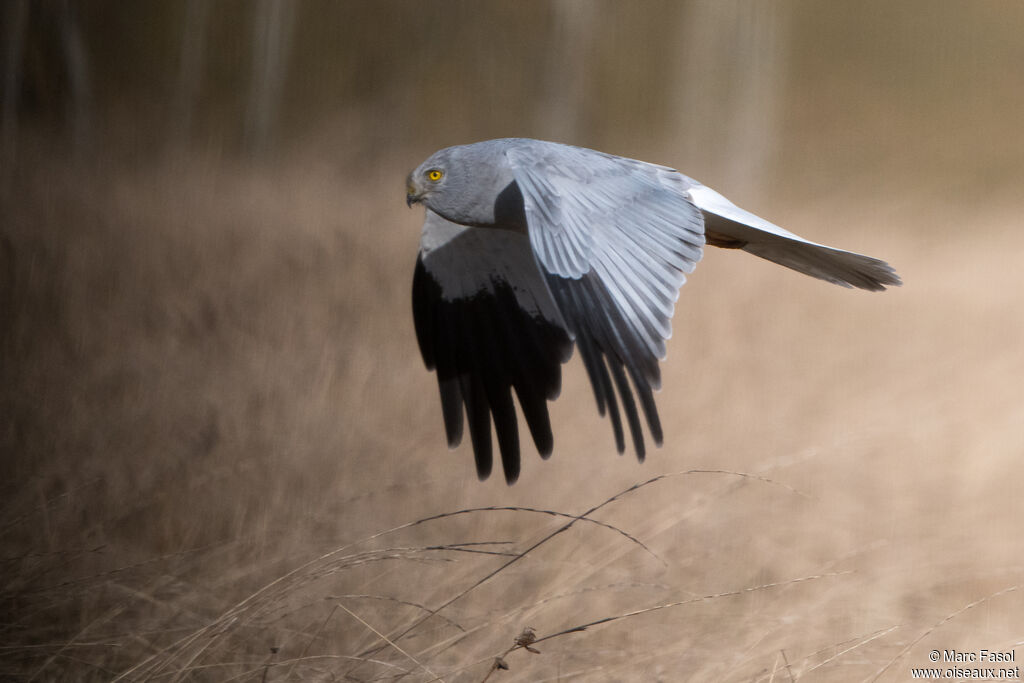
[213, 412]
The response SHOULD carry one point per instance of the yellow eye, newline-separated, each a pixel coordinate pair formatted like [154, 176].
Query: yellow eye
[434, 174]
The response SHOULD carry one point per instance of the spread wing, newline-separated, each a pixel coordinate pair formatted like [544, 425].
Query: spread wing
[615, 238]
[487, 324]
[727, 225]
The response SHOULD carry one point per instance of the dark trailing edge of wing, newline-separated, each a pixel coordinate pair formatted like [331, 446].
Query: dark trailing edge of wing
[606, 345]
[484, 346]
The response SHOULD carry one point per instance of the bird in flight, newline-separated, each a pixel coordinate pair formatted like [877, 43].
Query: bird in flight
[530, 248]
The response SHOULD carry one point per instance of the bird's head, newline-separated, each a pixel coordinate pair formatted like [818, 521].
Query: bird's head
[427, 182]
[461, 183]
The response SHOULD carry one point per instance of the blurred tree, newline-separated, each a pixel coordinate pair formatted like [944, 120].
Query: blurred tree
[15, 21]
[44, 40]
[273, 21]
[191, 66]
[732, 83]
[562, 109]
[79, 103]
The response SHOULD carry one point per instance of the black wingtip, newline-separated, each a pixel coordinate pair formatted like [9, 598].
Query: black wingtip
[479, 417]
[484, 462]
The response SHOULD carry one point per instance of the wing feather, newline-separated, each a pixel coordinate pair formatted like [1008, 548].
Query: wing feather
[487, 324]
[616, 238]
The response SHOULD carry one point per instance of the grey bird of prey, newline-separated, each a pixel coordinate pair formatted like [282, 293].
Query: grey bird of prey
[532, 247]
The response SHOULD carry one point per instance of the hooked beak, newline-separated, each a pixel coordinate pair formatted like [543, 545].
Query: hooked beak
[412, 195]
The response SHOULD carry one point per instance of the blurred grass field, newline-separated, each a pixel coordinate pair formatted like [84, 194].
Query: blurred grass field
[215, 414]
[209, 403]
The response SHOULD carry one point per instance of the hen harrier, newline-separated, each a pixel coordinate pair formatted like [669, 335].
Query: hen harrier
[530, 247]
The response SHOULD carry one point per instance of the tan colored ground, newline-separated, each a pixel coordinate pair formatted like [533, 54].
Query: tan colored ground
[217, 383]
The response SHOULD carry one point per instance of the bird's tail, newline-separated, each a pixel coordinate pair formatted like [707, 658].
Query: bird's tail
[727, 225]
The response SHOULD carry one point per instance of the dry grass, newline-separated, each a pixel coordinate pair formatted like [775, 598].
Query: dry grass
[214, 405]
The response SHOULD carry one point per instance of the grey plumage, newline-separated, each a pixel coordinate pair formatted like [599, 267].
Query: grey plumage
[529, 247]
